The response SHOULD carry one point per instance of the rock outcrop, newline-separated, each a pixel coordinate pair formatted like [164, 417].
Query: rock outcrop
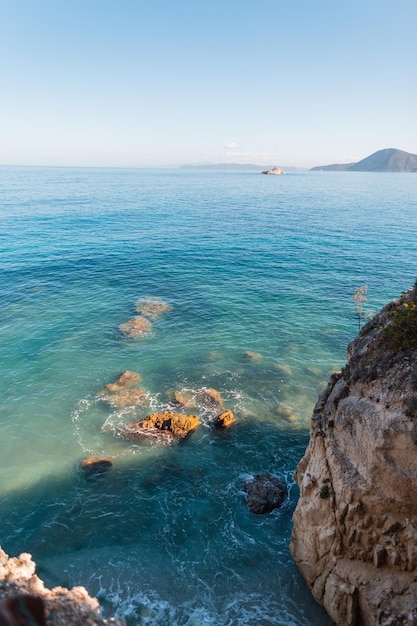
[164, 423]
[60, 606]
[265, 493]
[225, 419]
[95, 466]
[355, 525]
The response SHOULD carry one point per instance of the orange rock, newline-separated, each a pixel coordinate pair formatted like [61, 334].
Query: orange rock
[225, 419]
[95, 465]
[167, 422]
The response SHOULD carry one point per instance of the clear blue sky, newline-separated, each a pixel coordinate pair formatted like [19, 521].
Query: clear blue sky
[164, 82]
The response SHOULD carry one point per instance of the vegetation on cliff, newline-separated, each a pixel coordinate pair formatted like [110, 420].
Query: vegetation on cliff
[401, 332]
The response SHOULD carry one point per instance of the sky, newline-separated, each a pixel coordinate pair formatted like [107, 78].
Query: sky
[135, 83]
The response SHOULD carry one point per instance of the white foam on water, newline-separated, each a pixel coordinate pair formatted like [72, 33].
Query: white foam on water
[240, 609]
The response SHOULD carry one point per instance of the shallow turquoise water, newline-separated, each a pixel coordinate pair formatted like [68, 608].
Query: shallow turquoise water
[248, 263]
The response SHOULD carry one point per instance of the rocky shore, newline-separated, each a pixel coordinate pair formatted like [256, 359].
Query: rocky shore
[355, 526]
[24, 599]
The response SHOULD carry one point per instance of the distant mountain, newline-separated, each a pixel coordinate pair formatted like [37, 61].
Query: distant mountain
[388, 160]
[335, 167]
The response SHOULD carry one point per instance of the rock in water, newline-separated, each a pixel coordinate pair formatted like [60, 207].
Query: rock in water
[185, 399]
[126, 379]
[167, 423]
[152, 307]
[93, 465]
[121, 394]
[126, 398]
[253, 356]
[265, 493]
[211, 397]
[355, 526]
[136, 327]
[225, 419]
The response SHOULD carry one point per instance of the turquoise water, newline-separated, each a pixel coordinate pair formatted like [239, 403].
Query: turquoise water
[247, 263]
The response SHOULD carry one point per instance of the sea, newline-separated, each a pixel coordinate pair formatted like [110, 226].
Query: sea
[256, 274]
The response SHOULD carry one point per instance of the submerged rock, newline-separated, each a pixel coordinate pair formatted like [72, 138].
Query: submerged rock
[207, 397]
[285, 410]
[136, 327]
[93, 465]
[253, 356]
[225, 419]
[125, 398]
[60, 606]
[355, 525]
[121, 394]
[283, 368]
[152, 307]
[215, 355]
[210, 397]
[126, 379]
[265, 493]
[166, 423]
[185, 399]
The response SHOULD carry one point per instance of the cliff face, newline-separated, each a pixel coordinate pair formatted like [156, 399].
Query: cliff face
[355, 526]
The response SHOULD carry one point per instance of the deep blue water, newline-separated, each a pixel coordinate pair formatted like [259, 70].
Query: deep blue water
[247, 263]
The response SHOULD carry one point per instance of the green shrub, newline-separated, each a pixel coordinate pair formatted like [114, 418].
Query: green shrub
[401, 333]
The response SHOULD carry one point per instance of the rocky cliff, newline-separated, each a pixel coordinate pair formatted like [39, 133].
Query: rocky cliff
[355, 526]
[24, 599]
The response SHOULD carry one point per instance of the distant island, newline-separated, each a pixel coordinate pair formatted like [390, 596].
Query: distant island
[387, 160]
[236, 166]
[275, 171]
[221, 166]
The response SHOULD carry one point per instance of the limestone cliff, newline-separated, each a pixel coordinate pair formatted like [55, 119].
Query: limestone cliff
[60, 606]
[355, 526]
